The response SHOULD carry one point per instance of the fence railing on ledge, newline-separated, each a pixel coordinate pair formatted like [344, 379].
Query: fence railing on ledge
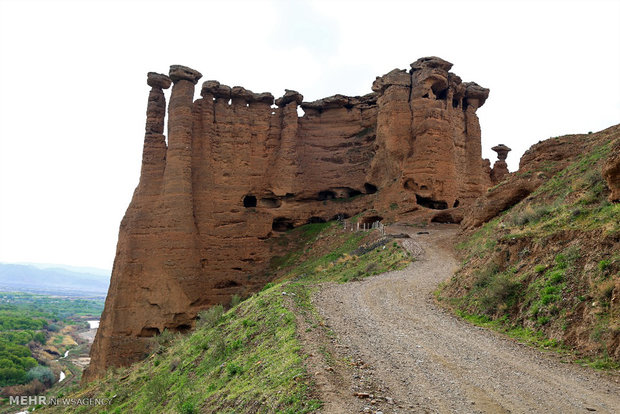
[355, 227]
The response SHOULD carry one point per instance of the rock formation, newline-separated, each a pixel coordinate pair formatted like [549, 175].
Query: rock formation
[237, 170]
[539, 163]
[500, 168]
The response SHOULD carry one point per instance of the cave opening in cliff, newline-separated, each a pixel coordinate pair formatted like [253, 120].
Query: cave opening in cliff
[455, 103]
[181, 329]
[249, 201]
[270, 202]
[315, 219]
[282, 224]
[326, 195]
[371, 219]
[370, 188]
[148, 332]
[445, 217]
[430, 203]
[442, 95]
[352, 192]
[465, 104]
[410, 185]
[456, 203]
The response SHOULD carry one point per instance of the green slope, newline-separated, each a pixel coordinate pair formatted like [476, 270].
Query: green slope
[545, 270]
[248, 359]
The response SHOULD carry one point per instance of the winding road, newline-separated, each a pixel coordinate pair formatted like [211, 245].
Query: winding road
[424, 360]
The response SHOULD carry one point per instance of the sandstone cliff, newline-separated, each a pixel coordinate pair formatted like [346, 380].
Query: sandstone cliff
[236, 170]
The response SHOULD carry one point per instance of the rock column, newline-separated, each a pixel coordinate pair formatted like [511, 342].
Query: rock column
[154, 153]
[284, 174]
[180, 248]
[500, 168]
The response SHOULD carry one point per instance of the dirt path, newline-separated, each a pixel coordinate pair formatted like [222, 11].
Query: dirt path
[414, 357]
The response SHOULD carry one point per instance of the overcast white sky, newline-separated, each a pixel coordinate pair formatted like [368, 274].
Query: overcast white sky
[73, 86]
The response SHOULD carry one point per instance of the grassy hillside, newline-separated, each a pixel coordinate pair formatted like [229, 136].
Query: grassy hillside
[548, 269]
[249, 358]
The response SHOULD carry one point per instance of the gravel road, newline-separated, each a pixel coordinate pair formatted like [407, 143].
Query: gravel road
[422, 359]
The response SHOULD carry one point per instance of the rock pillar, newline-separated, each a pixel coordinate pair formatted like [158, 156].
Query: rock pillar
[500, 168]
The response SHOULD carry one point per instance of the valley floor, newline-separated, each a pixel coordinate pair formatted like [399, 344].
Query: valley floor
[405, 354]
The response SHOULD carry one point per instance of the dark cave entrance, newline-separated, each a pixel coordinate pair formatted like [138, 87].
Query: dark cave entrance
[148, 332]
[370, 188]
[326, 195]
[282, 224]
[249, 201]
[371, 219]
[430, 203]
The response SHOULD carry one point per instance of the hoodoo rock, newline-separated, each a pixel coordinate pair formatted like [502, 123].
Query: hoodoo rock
[237, 171]
[500, 168]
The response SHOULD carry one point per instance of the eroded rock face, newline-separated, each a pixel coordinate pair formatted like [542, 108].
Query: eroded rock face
[236, 171]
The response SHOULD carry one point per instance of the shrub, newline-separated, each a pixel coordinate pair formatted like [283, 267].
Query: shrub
[211, 317]
[42, 374]
[188, 407]
[174, 364]
[233, 369]
[235, 300]
[500, 291]
[164, 338]
[556, 276]
[603, 265]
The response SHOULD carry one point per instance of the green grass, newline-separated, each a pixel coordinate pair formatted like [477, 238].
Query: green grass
[538, 264]
[248, 359]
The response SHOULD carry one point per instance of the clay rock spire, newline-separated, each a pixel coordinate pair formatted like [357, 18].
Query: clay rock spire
[154, 152]
[156, 109]
[500, 168]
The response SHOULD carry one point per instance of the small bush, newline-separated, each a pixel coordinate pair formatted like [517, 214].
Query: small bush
[42, 374]
[218, 347]
[211, 317]
[539, 268]
[188, 407]
[556, 276]
[233, 369]
[499, 293]
[174, 364]
[530, 215]
[235, 300]
[165, 338]
[603, 265]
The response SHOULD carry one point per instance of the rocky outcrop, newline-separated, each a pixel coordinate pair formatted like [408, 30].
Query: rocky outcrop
[539, 163]
[238, 170]
[428, 135]
[611, 173]
[500, 168]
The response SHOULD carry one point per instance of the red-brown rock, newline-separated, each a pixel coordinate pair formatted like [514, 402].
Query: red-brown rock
[236, 172]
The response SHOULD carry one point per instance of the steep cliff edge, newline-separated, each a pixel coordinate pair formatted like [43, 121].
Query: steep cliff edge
[237, 170]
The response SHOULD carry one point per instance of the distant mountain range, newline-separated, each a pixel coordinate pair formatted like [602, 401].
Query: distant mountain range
[54, 279]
